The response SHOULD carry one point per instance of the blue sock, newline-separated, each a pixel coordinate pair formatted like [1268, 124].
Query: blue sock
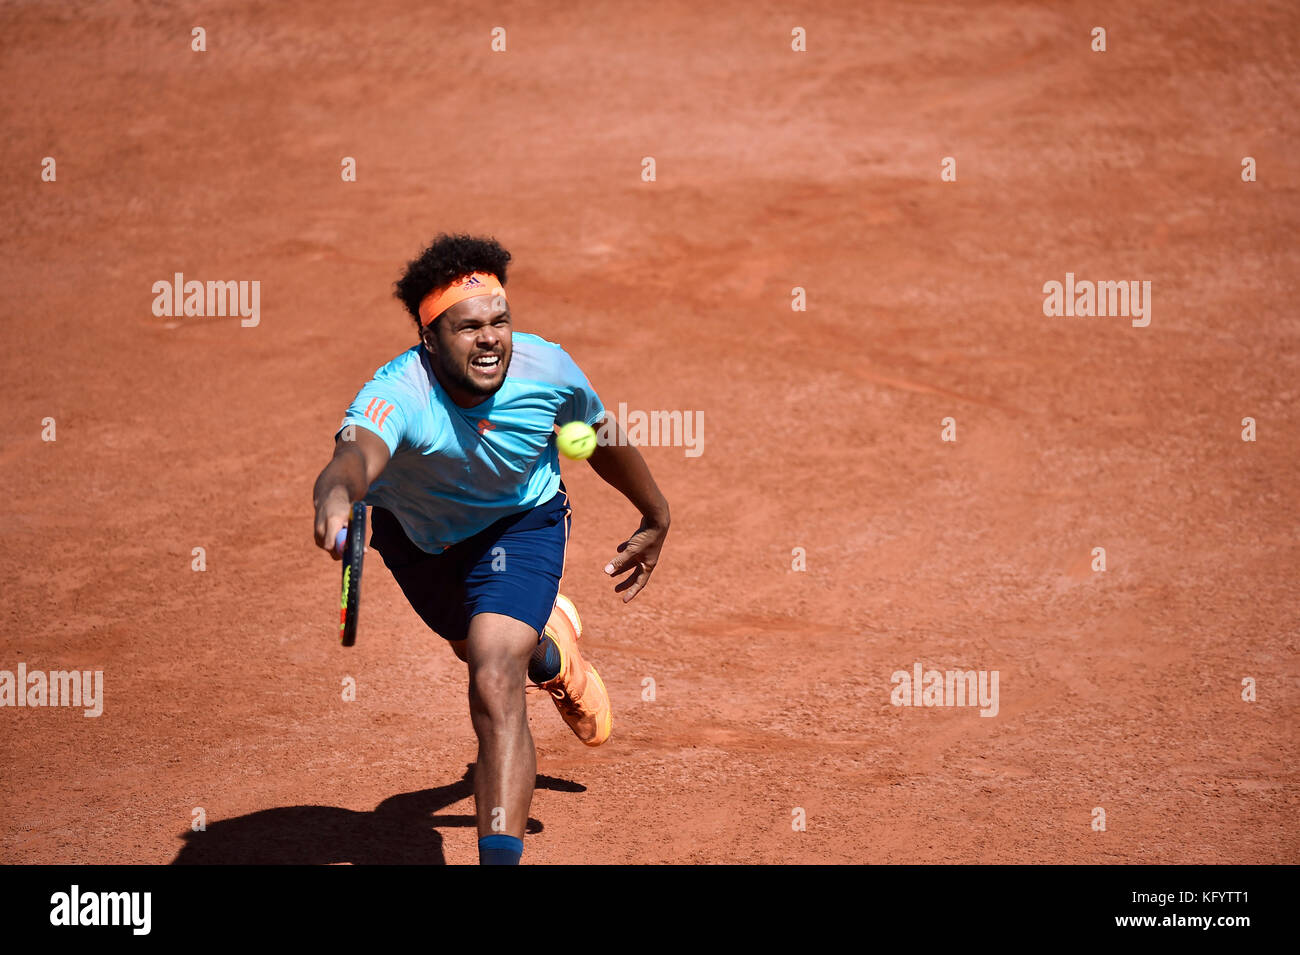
[545, 662]
[499, 850]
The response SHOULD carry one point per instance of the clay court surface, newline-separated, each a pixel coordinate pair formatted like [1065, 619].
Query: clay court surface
[1119, 689]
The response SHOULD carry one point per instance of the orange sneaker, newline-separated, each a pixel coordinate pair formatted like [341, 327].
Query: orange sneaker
[578, 691]
[566, 607]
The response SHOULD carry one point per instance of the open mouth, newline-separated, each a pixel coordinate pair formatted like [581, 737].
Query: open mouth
[486, 363]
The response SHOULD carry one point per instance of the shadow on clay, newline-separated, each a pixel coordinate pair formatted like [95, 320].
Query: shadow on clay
[401, 830]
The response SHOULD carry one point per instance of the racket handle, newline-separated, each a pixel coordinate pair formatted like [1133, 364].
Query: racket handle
[340, 539]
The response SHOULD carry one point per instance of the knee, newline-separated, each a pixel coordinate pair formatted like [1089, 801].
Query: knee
[496, 693]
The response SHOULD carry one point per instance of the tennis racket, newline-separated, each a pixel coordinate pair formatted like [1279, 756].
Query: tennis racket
[351, 545]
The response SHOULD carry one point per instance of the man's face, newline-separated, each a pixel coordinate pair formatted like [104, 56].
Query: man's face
[471, 346]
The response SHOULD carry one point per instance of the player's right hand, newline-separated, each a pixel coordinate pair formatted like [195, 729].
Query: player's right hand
[331, 517]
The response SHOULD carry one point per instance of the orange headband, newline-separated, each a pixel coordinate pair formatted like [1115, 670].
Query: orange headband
[467, 286]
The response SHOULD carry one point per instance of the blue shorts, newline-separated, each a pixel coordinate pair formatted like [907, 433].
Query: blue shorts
[512, 567]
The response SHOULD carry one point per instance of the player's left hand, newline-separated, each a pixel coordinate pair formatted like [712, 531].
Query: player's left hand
[639, 553]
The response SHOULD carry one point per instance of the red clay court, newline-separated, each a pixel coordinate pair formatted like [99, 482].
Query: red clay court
[823, 430]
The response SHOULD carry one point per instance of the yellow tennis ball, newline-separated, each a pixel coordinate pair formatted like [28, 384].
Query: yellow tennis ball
[576, 440]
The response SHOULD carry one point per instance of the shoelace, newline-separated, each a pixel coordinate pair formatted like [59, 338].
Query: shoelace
[555, 693]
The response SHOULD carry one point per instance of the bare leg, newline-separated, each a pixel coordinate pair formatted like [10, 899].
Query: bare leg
[498, 649]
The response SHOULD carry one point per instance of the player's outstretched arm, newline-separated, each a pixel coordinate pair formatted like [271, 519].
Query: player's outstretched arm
[354, 467]
[621, 466]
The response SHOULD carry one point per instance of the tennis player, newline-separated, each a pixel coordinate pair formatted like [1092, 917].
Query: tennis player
[452, 444]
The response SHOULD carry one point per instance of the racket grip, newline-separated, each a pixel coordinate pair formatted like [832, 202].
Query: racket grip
[340, 539]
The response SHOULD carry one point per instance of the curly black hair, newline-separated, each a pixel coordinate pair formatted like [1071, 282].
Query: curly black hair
[448, 257]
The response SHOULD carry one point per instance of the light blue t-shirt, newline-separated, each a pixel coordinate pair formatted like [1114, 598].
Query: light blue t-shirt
[455, 470]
